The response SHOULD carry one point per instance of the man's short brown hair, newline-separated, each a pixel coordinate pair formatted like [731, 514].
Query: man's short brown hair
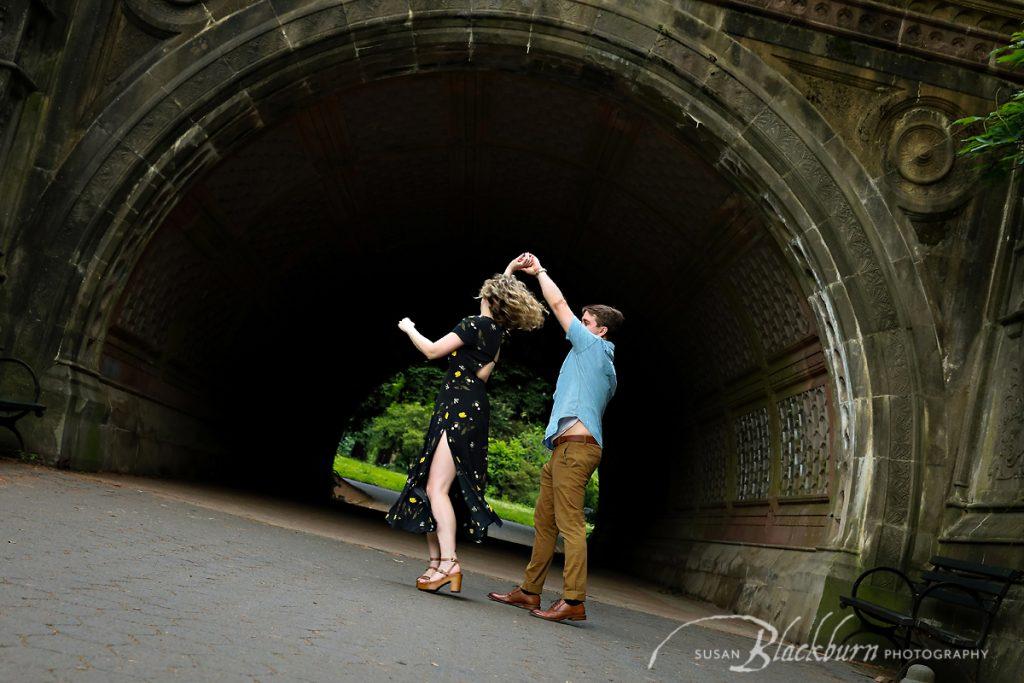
[606, 316]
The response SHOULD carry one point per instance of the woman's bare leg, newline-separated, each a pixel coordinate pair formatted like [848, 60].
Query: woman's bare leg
[439, 480]
[433, 549]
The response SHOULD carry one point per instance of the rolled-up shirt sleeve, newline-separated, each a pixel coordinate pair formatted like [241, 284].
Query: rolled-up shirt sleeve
[578, 335]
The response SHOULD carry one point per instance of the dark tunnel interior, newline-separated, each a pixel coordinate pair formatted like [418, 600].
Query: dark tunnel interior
[266, 304]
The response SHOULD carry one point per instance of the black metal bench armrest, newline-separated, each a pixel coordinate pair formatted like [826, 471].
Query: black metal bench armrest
[31, 372]
[897, 572]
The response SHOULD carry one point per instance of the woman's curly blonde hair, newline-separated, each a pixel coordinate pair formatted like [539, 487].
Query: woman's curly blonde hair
[513, 306]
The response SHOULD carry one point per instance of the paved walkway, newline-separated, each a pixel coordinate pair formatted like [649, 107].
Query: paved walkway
[114, 578]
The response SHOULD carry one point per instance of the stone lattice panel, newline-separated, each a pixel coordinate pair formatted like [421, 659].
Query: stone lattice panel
[727, 352]
[771, 299]
[753, 455]
[711, 462]
[805, 443]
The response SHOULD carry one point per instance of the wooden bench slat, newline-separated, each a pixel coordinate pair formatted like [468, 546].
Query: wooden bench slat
[955, 597]
[979, 585]
[991, 571]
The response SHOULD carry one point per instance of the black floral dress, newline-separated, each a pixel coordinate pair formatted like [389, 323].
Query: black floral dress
[461, 410]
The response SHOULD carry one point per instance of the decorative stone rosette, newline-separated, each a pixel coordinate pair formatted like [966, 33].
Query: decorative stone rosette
[920, 160]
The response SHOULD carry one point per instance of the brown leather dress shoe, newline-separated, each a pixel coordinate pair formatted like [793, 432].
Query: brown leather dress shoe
[560, 610]
[516, 598]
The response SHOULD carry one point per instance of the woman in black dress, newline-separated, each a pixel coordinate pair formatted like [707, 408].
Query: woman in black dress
[455, 448]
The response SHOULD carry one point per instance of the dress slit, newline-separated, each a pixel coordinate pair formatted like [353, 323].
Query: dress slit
[461, 415]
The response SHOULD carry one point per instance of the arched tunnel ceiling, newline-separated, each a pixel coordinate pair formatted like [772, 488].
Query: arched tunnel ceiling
[278, 277]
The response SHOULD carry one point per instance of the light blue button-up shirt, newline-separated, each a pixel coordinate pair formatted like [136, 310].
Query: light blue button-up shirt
[586, 383]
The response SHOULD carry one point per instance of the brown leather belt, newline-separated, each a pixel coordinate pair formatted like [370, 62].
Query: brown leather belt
[580, 438]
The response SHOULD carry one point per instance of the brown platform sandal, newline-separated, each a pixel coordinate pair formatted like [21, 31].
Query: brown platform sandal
[454, 579]
[430, 568]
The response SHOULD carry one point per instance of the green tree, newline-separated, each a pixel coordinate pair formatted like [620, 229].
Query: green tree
[395, 437]
[999, 144]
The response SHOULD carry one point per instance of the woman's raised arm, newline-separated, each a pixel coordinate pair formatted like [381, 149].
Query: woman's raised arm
[431, 349]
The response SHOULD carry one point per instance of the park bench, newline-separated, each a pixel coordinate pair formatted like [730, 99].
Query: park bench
[954, 585]
[13, 408]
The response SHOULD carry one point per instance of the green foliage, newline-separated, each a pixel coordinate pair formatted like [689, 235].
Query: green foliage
[518, 399]
[512, 471]
[389, 427]
[396, 437]
[1000, 142]
[590, 495]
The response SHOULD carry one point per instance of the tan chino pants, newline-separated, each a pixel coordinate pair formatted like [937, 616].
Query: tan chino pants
[559, 510]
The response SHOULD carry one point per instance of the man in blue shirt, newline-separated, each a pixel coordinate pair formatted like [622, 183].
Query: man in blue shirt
[586, 383]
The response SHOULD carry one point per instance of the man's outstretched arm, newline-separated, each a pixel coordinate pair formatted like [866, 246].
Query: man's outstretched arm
[552, 294]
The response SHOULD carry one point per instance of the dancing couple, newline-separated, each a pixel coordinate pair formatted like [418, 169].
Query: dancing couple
[446, 483]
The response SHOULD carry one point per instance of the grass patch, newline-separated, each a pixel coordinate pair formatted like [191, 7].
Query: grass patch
[357, 470]
[350, 468]
[512, 512]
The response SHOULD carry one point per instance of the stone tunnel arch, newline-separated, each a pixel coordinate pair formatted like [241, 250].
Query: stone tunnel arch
[181, 114]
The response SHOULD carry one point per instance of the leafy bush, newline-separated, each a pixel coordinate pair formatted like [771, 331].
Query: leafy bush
[1001, 140]
[396, 437]
[511, 473]
[519, 400]
[590, 496]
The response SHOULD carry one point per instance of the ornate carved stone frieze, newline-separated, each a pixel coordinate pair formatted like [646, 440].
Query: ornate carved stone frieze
[963, 32]
[1008, 460]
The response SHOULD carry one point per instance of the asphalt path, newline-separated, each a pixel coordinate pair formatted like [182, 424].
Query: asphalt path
[120, 580]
